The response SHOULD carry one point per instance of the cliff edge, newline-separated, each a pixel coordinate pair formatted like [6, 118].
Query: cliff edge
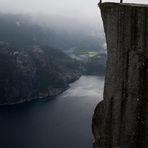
[121, 119]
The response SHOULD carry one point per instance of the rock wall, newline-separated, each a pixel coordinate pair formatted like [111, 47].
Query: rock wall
[121, 119]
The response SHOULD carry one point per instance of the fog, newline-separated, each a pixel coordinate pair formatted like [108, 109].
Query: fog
[86, 10]
[68, 13]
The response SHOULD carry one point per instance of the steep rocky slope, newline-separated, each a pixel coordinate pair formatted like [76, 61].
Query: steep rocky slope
[38, 72]
[121, 119]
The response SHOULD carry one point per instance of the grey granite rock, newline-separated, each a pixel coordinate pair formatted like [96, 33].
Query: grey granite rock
[121, 120]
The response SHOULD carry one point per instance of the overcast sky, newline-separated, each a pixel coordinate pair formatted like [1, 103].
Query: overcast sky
[81, 9]
[87, 8]
[62, 7]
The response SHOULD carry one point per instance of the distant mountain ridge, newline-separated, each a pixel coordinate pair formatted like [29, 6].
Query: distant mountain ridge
[25, 30]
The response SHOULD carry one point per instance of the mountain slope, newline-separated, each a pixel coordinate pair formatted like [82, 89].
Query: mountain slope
[38, 72]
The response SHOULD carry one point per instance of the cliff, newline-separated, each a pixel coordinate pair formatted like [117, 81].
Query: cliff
[37, 72]
[121, 119]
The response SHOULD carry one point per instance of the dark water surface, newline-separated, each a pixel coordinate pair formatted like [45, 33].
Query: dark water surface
[63, 122]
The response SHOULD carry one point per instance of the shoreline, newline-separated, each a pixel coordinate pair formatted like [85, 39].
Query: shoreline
[34, 99]
[43, 97]
[40, 97]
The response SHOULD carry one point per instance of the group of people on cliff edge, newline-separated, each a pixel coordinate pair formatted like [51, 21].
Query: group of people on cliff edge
[121, 1]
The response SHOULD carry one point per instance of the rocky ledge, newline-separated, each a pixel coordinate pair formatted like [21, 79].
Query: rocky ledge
[121, 119]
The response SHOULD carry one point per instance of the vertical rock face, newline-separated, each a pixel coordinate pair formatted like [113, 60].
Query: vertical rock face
[121, 119]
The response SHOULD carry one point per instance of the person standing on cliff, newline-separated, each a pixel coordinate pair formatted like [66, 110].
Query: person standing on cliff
[121, 1]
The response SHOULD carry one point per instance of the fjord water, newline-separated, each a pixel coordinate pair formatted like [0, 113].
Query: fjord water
[61, 122]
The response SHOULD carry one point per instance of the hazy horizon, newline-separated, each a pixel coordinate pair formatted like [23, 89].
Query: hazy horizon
[85, 8]
[72, 14]
[78, 11]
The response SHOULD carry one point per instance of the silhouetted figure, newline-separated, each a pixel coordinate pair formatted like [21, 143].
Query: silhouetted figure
[100, 2]
[121, 1]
